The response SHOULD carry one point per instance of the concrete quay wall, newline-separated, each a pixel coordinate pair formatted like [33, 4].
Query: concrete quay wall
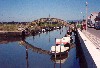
[91, 53]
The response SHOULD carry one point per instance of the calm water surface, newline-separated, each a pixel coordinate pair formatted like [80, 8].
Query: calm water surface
[15, 55]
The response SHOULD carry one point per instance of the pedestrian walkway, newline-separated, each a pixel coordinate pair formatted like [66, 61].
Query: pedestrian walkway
[91, 50]
[95, 40]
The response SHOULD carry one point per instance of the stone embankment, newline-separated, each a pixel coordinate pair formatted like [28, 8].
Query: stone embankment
[10, 33]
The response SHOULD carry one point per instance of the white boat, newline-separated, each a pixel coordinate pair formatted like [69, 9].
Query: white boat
[57, 27]
[64, 40]
[43, 30]
[62, 45]
[58, 49]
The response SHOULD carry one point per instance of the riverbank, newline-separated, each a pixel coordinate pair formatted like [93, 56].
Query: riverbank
[22, 56]
[29, 28]
[10, 33]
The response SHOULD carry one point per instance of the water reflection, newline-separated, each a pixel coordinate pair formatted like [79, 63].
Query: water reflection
[33, 48]
[36, 49]
[49, 37]
[39, 34]
[5, 40]
[60, 31]
[61, 58]
[27, 57]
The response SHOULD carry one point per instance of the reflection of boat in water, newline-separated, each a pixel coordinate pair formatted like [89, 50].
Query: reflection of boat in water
[62, 45]
[60, 58]
[36, 49]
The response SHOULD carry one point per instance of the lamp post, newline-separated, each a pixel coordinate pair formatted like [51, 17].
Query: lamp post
[86, 14]
[82, 15]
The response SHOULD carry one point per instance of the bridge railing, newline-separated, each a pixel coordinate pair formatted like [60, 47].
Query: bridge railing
[95, 40]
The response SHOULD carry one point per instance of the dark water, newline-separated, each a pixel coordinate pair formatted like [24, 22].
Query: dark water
[13, 54]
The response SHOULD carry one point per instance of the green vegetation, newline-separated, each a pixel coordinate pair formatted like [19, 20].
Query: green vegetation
[8, 27]
[29, 26]
[46, 24]
[79, 26]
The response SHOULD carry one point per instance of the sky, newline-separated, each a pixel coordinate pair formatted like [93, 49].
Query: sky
[29, 10]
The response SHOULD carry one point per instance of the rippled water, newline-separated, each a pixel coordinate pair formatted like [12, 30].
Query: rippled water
[16, 55]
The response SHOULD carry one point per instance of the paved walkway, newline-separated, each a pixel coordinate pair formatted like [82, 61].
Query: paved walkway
[95, 40]
[92, 49]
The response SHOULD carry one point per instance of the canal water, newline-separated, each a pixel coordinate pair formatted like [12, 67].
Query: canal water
[14, 54]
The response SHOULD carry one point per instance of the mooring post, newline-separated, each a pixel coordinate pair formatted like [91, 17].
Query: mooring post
[23, 35]
[55, 49]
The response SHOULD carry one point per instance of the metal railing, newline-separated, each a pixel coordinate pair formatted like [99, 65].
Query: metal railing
[95, 40]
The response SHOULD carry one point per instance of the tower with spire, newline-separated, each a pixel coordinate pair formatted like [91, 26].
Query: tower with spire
[49, 19]
[49, 15]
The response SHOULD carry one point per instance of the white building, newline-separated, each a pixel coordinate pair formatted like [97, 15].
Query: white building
[93, 16]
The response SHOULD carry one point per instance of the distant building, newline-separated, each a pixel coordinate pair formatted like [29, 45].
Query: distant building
[97, 17]
[91, 18]
[43, 19]
[54, 19]
[97, 22]
[49, 20]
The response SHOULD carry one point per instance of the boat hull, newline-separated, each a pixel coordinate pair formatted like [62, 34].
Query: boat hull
[60, 53]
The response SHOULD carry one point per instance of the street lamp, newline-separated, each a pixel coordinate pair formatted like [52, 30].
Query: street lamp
[82, 14]
[86, 14]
